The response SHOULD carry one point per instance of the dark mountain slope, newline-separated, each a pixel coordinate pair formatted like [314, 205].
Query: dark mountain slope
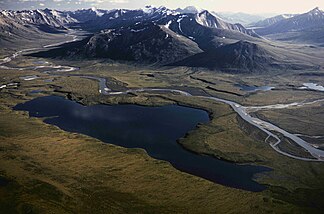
[168, 38]
[238, 57]
[162, 15]
[161, 36]
[143, 43]
[206, 34]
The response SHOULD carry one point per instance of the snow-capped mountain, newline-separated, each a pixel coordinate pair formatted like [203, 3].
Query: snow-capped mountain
[155, 35]
[27, 24]
[209, 20]
[130, 32]
[189, 9]
[313, 19]
[147, 42]
[161, 16]
[95, 19]
[161, 36]
[87, 14]
[48, 17]
[273, 20]
[124, 17]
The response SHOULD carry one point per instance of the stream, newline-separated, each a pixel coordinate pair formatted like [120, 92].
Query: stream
[242, 111]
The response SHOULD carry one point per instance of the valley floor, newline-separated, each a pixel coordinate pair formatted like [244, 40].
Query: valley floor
[49, 170]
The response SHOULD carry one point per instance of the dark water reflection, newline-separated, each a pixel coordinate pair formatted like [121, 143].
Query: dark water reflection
[154, 129]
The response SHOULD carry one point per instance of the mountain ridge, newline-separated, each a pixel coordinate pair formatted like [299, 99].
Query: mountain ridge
[156, 35]
[311, 19]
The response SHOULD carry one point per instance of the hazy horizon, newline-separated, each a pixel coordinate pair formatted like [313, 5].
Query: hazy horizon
[247, 6]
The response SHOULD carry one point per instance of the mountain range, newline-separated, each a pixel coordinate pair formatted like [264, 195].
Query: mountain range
[242, 18]
[160, 36]
[272, 20]
[305, 28]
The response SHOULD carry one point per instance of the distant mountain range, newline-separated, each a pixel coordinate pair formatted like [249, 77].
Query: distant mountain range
[24, 24]
[242, 18]
[306, 28]
[306, 21]
[152, 35]
[273, 20]
[160, 36]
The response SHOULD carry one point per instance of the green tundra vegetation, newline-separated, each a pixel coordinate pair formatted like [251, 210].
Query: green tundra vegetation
[48, 170]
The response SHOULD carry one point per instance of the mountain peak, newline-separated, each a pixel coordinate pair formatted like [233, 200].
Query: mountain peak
[189, 9]
[47, 10]
[193, 9]
[316, 10]
[151, 10]
[98, 13]
[204, 12]
[148, 9]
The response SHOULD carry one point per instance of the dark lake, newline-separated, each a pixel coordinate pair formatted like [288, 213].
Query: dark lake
[253, 88]
[35, 92]
[155, 129]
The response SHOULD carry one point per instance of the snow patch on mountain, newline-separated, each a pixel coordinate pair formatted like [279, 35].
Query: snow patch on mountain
[98, 13]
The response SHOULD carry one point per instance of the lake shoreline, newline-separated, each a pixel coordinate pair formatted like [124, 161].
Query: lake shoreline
[186, 152]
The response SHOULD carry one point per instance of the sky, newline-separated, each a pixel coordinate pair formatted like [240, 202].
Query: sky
[247, 6]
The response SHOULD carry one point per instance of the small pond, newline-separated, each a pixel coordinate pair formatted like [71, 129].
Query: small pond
[253, 88]
[35, 92]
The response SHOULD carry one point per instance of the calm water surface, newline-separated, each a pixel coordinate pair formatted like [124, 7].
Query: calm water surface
[155, 129]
